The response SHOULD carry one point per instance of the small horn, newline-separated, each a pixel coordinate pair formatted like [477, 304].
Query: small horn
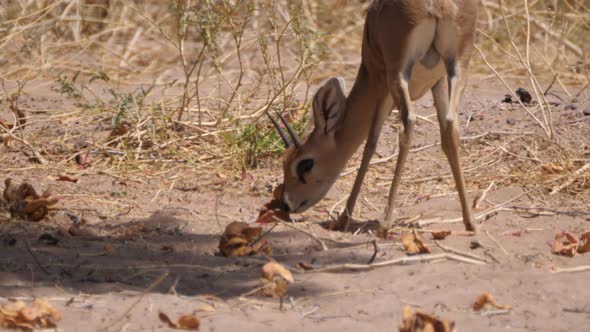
[290, 130]
[280, 130]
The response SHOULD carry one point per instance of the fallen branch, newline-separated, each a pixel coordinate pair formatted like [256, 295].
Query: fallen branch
[482, 216]
[583, 268]
[458, 252]
[398, 261]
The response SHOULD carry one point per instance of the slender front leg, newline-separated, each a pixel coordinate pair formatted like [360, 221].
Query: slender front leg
[400, 91]
[446, 108]
[379, 116]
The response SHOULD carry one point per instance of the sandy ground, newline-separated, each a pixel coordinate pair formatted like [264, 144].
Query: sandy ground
[150, 243]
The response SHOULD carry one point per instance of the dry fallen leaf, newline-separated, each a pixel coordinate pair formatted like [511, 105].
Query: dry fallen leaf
[272, 270]
[565, 244]
[81, 231]
[186, 322]
[5, 124]
[265, 216]
[441, 235]
[476, 200]
[273, 206]
[486, 299]
[119, 130]
[275, 280]
[67, 178]
[239, 240]
[24, 202]
[40, 314]
[167, 248]
[21, 121]
[304, 266]
[584, 245]
[189, 322]
[415, 320]
[414, 244]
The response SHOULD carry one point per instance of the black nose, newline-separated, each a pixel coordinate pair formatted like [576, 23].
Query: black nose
[284, 206]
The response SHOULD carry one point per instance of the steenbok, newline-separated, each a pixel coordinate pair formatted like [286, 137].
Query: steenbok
[409, 47]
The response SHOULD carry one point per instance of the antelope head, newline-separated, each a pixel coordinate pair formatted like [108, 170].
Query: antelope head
[311, 168]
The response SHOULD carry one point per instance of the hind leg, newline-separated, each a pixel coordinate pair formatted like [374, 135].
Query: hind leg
[399, 87]
[446, 94]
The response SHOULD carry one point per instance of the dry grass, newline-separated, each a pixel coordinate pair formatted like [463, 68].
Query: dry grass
[186, 82]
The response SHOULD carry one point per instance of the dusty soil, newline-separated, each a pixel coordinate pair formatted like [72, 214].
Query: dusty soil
[149, 243]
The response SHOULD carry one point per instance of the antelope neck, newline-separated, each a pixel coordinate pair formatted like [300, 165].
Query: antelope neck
[361, 104]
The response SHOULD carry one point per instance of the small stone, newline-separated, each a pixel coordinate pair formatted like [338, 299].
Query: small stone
[524, 96]
[587, 112]
[511, 122]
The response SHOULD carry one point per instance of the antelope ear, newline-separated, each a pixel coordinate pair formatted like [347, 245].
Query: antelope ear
[329, 103]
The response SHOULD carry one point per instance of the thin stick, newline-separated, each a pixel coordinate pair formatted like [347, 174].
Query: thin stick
[494, 313]
[582, 90]
[458, 252]
[397, 261]
[264, 234]
[583, 268]
[498, 243]
[483, 216]
[376, 250]
[338, 203]
[482, 197]
[24, 142]
[574, 177]
[313, 236]
[454, 233]
[551, 85]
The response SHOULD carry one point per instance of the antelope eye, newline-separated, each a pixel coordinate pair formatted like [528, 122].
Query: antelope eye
[303, 168]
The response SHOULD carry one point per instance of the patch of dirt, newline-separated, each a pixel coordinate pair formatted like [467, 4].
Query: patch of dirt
[118, 250]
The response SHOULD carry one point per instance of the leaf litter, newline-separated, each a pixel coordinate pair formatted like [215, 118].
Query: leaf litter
[185, 322]
[19, 315]
[240, 239]
[24, 202]
[273, 208]
[275, 280]
[416, 320]
[486, 299]
[414, 244]
[566, 244]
